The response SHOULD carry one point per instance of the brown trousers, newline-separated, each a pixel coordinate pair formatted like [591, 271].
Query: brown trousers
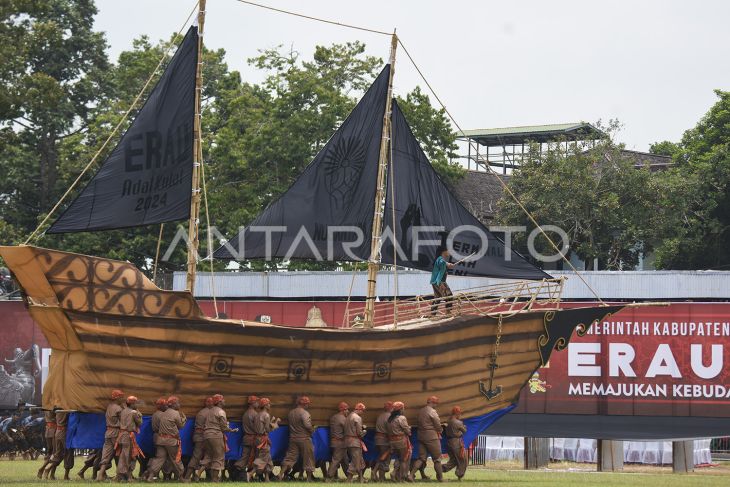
[263, 463]
[49, 448]
[383, 462]
[357, 463]
[247, 456]
[426, 448]
[198, 459]
[107, 453]
[404, 461]
[457, 456]
[441, 291]
[62, 454]
[299, 448]
[339, 457]
[126, 462]
[216, 449]
[165, 454]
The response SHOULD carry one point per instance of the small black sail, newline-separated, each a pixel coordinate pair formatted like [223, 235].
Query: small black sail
[327, 214]
[426, 212]
[147, 178]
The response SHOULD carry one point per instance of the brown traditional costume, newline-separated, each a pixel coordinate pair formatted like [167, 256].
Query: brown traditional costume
[198, 460]
[113, 413]
[249, 435]
[382, 443]
[126, 445]
[216, 425]
[354, 433]
[60, 452]
[300, 440]
[454, 432]
[337, 440]
[167, 439]
[429, 438]
[263, 425]
[48, 436]
[399, 433]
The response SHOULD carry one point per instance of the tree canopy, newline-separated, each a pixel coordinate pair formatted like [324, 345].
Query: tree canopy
[593, 192]
[61, 96]
[695, 194]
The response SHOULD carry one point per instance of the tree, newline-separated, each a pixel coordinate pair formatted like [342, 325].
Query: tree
[696, 195]
[52, 73]
[433, 131]
[593, 193]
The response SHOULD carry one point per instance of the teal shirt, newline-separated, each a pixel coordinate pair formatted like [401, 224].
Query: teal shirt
[438, 275]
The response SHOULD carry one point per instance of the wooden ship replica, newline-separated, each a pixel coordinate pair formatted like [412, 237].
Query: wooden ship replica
[111, 327]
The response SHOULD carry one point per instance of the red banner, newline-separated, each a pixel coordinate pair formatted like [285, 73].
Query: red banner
[643, 361]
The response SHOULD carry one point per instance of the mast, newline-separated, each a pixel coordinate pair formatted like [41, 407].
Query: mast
[197, 159]
[375, 243]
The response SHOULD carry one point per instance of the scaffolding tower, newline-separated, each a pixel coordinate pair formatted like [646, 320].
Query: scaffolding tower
[505, 148]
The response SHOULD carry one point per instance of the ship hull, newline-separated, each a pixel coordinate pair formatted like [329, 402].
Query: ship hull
[110, 327]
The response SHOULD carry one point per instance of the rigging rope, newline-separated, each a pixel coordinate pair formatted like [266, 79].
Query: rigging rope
[504, 185]
[157, 254]
[210, 235]
[116, 128]
[392, 222]
[309, 17]
[345, 318]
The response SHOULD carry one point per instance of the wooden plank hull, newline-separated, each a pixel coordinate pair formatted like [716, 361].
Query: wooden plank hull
[110, 327]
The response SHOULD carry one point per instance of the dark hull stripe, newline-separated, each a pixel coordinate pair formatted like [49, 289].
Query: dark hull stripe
[298, 333]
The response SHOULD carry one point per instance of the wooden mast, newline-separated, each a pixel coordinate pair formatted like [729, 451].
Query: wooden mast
[197, 159]
[375, 243]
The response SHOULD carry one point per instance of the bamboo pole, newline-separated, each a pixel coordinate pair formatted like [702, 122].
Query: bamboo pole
[374, 261]
[197, 158]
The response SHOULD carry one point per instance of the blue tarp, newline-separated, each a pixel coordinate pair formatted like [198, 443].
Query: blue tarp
[86, 430]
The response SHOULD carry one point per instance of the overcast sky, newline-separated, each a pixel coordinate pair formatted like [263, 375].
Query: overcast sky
[650, 64]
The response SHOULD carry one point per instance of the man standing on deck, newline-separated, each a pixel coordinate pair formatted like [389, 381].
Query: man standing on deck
[337, 439]
[216, 426]
[354, 433]
[198, 458]
[382, 444]
[454, 432]
[300, 440]
[245, 463]
[429, 438]
[126, 445]
[113, 412]
[441, 290]
[167, 440]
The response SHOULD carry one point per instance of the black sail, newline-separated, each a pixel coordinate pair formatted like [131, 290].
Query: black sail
[147, 178]
[332, 200]
[423, 200]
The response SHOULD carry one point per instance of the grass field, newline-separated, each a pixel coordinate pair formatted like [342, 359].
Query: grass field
[22, 473]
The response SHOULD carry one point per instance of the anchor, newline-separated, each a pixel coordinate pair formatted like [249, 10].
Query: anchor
[490, 393]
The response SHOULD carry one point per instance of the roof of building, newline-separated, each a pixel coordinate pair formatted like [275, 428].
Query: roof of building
[479, 192]
[532, 133]
[646, 159]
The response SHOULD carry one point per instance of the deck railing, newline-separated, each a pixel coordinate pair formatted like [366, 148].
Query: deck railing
[498, 299]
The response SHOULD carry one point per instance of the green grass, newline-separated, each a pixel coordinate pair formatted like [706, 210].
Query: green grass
[22, 473]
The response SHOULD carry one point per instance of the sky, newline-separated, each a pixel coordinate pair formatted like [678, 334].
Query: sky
[653, 65]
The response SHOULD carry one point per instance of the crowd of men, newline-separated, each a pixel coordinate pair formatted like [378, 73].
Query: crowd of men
[346, 431]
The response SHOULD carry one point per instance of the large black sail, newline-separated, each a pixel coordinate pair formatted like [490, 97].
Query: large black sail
[148, 176]
[327, 213]
[426, 212]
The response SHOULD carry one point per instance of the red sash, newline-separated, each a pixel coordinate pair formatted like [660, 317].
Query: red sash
[362, 443]
[136, 450]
